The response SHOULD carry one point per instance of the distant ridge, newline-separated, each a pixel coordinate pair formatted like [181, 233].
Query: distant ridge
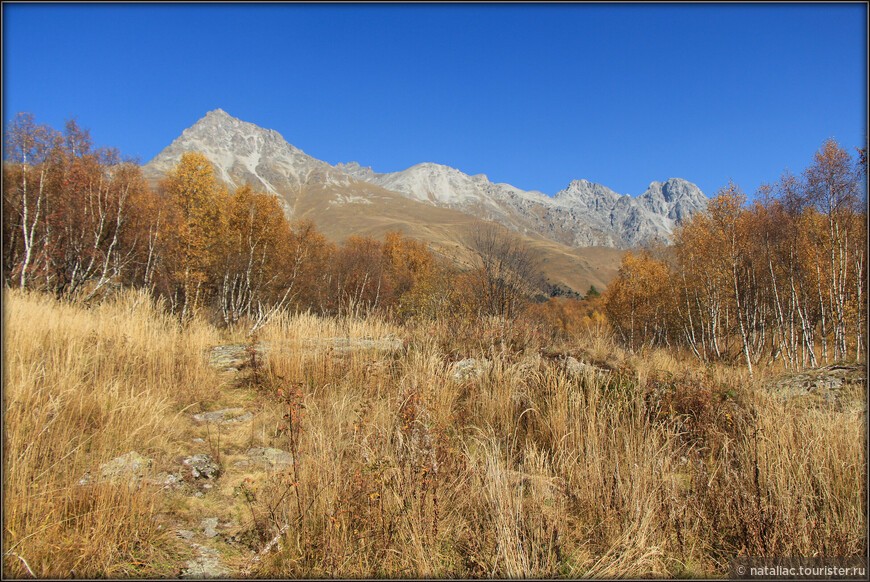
[583, 214]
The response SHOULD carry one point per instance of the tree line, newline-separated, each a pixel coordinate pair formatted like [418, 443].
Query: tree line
[79, 221]
[783, 278]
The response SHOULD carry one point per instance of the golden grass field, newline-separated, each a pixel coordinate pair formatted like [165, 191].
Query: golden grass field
[639, 465]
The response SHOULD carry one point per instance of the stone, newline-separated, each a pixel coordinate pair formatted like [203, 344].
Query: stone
[467, 369]
[347, 345]
[232, 358]
[203, 467]
[167, 480]
[130, 465]
[576, 367]
[225, 415]
[826, 387]
[206, 564]
[270, 458]
[209, 527]
[185, 533]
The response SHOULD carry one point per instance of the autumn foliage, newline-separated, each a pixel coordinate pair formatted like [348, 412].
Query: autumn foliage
[78, 222]
[781, 279]
[75, 219]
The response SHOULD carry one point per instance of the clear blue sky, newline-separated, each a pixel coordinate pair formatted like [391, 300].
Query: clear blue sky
[533, 95]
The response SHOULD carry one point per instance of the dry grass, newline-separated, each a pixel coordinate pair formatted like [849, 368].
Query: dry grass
[656, 468]
[83, 386]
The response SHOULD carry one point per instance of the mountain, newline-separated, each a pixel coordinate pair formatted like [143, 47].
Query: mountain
[583, 214]
[437, 203]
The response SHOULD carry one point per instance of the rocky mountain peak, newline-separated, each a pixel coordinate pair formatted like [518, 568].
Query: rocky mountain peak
[357, 171]
[586, 192]
[218, 113]
[675, 198]
[583, 214]
[242, 153]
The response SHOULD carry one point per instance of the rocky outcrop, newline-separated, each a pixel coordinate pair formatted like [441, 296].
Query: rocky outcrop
[225, 415]
[838, 388]
[469, 369]
[202, 466]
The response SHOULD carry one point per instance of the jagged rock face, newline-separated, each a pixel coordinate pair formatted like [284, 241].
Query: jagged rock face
[244, 153]
[675, 199]
[583, 214]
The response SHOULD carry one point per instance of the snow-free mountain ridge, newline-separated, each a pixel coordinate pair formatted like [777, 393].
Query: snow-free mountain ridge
[583, 214]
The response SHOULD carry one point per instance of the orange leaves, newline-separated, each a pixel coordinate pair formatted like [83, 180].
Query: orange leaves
[70, 212]
[567, 316]
[782, 278]
[191, 185]
[399, 273]
[634, 300]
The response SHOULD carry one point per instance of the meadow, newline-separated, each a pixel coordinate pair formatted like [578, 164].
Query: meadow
[455, 447]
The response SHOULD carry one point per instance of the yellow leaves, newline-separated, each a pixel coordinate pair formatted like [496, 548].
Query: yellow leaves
[192, 183]
[196, 202]
[638, 293]
[724, 210]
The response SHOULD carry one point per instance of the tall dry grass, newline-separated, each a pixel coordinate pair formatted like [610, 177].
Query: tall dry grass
[83, 386]
[653, 468]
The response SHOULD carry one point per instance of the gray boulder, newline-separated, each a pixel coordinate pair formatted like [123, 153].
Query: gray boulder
[209, 527]
[203, 467]
[206, 564]
[131, 466]
[225, 415]
[269, 457]
[467, 369]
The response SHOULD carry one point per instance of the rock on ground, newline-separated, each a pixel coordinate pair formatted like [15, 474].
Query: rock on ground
[231, 358]
[234, 357]
[203, 467]
[132, 466]
[826, 387]
[206, 564]
[225, 415]
[467, 369]
[209, 527]
[344, 345]
[269, 457]
[576, 367]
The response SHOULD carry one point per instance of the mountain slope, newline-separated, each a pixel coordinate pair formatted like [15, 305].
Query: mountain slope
[583, 214]
[434, 202]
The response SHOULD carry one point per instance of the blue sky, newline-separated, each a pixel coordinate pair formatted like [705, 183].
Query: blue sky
[532, 95]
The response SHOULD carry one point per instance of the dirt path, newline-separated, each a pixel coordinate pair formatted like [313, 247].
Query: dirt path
[206, 488]
[209, 487]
